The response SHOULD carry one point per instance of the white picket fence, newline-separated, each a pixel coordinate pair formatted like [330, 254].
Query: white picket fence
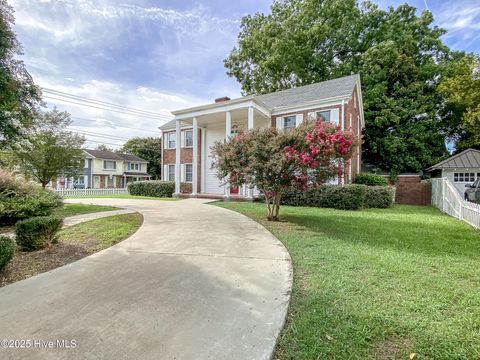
[447, 199]
[90, 192]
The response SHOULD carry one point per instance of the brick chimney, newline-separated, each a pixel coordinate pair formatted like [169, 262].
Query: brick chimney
[222, 99]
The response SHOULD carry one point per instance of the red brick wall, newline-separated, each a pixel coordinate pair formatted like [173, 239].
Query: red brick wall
[412, 191]
[186, 157]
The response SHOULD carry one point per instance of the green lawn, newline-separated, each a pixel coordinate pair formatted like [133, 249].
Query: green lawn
[74, 243]
[378, 284]
[121, 196]
[79, 209]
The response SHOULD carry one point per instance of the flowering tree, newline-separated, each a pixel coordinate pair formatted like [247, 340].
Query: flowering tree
[274, 161]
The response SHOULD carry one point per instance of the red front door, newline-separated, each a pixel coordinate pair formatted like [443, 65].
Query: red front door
[234, 190]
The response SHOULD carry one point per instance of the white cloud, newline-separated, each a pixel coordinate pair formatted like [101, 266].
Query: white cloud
[144, 57]
[462, 20]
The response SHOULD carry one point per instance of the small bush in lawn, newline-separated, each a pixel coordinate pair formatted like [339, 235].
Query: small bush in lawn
[370, 179]
[38, 232]
[379, 197]
[21, 200]
[7, 248]
[153, 188]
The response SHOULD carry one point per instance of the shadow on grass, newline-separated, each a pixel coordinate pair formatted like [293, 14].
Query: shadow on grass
[424, 231]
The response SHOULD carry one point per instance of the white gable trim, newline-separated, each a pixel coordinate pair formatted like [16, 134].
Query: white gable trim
[228, 106]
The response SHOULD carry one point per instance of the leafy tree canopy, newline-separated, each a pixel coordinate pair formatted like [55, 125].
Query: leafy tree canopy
[461, 85]
[399, 55]
[51, 150]
[19, 97]
[148, 148]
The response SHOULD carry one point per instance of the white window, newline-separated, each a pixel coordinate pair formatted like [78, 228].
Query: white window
[464, 177]
[86, 164]
[109, 181]
[324, 116]
[189, 138]
[133, 166]
[188, 173]
[79, 180]
[109, 164]
[289, 122]
[171, 140]
[171, 172]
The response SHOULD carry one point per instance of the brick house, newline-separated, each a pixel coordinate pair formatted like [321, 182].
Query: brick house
[196, 129]
[107, 169]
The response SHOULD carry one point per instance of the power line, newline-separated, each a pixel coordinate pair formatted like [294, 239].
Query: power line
[105, 143]
[120, 126]
[105, 109]
[113, 137]
[103, 103]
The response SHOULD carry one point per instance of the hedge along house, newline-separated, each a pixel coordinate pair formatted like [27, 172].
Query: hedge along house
[188, 138]
[461, 169]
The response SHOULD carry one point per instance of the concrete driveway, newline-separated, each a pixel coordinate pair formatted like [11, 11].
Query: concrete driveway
[195, 282]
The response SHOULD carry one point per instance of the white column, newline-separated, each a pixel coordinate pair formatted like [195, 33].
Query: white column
[250, 118]
[195, 157]
[228, 125]
[204, 160]
[250, 126]
[228, 133]
[177, 156]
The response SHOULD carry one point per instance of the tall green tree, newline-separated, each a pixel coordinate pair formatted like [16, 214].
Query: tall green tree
[461, 85]
[148, 148]
[19, 97]
[398, 54]
[51, 149]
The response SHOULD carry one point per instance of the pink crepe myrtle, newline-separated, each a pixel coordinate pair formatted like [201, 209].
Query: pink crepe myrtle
[275, 160]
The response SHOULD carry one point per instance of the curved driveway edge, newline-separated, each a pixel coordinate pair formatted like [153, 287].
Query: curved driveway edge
[194, 282]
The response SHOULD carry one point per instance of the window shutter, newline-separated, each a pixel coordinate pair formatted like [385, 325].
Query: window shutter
[299, 120]
[182, 173]
[311, 116]
[165, 141]
[335, 116]
[279, 122]
[182, 139]
[165, 172]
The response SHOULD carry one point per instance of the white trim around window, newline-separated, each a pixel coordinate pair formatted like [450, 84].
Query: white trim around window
[170, 139]
[465, 176]
[188, 173]
[170, 175]
[109, 165]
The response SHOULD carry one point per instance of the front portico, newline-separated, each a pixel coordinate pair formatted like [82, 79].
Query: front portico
[211, 123]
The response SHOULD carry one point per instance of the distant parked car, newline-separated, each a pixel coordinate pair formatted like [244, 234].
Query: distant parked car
[473, 191]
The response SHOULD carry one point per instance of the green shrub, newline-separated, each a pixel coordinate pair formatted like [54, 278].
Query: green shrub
[379, 197]
[20, 200]
[371, 179]
[153, 188]
[38, 232]
[7, 248]
[346, 197]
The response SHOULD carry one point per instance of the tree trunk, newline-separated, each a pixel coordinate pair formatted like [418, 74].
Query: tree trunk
[273, 206]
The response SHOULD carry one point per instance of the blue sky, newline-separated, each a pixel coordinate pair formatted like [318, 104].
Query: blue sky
[160, 55]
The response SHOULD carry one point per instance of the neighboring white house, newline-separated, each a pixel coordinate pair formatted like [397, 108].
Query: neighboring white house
[107, 169]
[186, 155]
[461, 169]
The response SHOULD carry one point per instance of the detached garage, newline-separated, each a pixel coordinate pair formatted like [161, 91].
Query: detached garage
[460, 169]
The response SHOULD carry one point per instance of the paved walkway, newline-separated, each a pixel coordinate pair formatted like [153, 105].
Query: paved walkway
[195, 282]
[77, 219]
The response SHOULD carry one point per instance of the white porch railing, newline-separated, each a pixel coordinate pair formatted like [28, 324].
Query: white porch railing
[447, 199]
[90, 192]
